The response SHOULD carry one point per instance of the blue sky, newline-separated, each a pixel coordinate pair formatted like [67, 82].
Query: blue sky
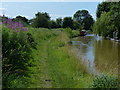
[55, 9]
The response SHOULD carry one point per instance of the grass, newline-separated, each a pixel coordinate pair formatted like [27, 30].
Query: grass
[65, 69]
[55, 66]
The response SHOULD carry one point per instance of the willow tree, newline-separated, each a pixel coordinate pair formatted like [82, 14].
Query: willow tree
[103, 25]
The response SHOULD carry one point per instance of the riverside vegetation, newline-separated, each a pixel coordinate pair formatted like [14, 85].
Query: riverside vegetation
[48, 64]
[38, 55]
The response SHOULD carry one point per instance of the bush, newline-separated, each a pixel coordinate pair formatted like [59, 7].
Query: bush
[69, 32]
[16, 54]
[75, 33]
[105, 82]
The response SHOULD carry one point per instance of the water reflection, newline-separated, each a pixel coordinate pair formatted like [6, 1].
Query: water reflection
[106, 56]
[100, 55]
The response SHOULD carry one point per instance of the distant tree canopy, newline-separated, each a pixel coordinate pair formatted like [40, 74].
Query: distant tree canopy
[81, 20]
[108, 19]
[41, 20]
[21, 19]
[52, 24]
[59, 22]
[76, 25]
[55, 23]
[84, 18]
[67, 22]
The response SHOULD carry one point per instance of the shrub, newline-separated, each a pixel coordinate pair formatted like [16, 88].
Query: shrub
[104, 81]
[16, 54]
[75, 33]
[69, 32]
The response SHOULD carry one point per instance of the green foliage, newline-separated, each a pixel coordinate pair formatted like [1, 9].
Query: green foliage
[108, 18]
[53, 24]
[41, 20]
[16, 55]
[115, 17]
[69, 32]
[59, 22]
[105, 82]
[84, 18]
[67, 22]
[72, 33]
[13, 81]
[103, 7]
[21, 19]
[103, 26]
[31, 40]
[75, 33]
[76, 25]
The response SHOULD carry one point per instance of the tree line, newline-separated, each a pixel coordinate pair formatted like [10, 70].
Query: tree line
[80, 20]
[108, 20]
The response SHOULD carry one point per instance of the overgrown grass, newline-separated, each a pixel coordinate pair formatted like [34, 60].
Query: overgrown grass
[56, 66]
[53, 64]
[66, 71]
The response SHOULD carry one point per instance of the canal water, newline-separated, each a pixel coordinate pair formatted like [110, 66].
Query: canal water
[99, 55]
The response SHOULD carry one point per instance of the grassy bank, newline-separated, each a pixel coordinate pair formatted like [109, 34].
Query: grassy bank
[56, 66]
[53, 63]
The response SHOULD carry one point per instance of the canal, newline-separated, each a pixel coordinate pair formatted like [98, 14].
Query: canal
[99, 55]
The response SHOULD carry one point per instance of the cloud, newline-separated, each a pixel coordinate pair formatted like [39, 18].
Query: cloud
[28, 17]
[6, 15]
[59, 15]
[3, 9]
[94, 16]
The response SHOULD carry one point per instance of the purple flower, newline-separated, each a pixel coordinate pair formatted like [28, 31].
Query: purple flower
[21, 25]
[17, 26]
[24, 29]
[0, 23]
[9, 20]
[5, 22]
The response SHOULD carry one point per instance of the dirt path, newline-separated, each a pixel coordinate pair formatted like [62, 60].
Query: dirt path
[41, 76]
[45, 76]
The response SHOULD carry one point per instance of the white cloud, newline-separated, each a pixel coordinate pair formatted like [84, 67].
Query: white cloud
[59, 15]
[28, 17]
[94, 16]
[6, 15]
[3, 9]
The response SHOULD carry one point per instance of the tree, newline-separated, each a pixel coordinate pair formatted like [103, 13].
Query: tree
[103, 25]
[109, 19]
[41, 20]
[21, 19]
[76, 25]
[84, 18]
[53, 24]
[103, 7]
[59, 22]
[67, 22]
[115, 16]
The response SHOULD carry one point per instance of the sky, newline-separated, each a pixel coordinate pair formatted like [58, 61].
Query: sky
[55, 9]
